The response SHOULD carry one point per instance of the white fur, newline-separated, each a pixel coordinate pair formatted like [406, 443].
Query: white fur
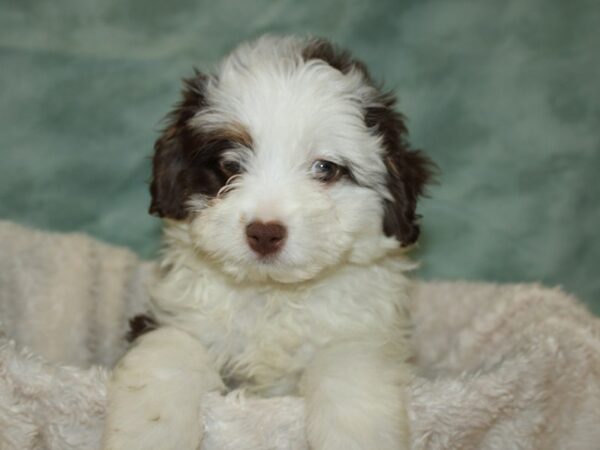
[326, 312]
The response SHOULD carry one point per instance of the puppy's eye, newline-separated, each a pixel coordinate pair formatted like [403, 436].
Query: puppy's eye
[229, 167]
[326, 171]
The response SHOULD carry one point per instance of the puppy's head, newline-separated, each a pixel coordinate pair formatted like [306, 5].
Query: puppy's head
[288, 161]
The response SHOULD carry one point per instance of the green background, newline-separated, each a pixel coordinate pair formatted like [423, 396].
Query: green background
[505, 96]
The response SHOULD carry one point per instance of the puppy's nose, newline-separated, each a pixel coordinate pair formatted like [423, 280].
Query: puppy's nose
[265, 238]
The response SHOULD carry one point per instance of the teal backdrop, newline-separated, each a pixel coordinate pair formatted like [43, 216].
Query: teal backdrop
[504, 95]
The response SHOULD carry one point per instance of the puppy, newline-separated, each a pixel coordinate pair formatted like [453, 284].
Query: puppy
[288, 192]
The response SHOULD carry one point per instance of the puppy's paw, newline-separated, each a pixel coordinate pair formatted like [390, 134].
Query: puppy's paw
[355, 399]
[155, 393]
[147, 415]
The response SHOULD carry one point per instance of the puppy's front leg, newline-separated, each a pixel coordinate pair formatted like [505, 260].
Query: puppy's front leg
[155, 393]
[354, 396]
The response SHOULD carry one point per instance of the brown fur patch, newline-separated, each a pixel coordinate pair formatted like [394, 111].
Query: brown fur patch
[139, 325]
[186, 160]
[409, 171]
[235, 133]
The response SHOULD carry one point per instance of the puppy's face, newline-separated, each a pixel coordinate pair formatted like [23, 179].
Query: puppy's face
[287, 162]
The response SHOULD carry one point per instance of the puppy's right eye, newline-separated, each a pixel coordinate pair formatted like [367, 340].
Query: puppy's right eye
[229, 167]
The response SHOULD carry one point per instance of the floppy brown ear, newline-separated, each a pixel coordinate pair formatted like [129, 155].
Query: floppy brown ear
[179, 167]
[409, 171]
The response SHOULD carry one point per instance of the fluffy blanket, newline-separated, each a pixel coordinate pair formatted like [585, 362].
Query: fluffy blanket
[500, 366]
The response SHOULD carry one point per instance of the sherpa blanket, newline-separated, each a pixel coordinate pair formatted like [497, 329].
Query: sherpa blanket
[499, 366]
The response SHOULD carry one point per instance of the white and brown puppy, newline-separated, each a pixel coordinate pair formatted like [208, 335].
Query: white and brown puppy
[288, 192]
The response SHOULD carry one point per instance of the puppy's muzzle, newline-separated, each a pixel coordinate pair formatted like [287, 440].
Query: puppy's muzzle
[266, 238]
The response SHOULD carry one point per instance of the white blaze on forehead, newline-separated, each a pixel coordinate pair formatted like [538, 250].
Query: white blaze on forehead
[295, 110]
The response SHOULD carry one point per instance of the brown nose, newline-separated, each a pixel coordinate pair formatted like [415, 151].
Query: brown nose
[265, 238]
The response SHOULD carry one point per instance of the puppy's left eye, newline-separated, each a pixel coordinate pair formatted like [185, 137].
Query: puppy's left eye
[326, 171]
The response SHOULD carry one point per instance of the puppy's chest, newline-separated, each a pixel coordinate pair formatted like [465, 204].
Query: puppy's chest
[260, 339]
[266, 337]
[263, 338]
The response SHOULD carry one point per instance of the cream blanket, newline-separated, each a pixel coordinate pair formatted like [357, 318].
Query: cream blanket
[500, 366]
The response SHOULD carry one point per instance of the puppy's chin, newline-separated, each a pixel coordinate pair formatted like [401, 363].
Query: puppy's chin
[271, 271]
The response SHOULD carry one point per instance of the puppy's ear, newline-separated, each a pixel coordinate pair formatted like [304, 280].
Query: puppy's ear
[409, 171]
[175, 164]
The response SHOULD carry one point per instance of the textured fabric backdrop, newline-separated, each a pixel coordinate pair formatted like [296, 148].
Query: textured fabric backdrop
[504, 95]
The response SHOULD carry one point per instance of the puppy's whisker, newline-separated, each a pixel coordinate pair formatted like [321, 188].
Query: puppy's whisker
[229, 185]
[233, 178]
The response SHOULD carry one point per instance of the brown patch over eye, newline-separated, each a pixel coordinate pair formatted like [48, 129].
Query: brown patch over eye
[235, 133]
[189, 159]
